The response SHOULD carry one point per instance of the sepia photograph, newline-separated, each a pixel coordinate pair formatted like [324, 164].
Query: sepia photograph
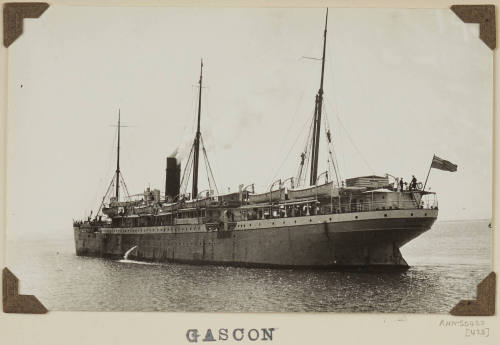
[189, 159]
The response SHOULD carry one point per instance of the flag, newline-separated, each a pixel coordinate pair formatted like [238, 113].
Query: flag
[443, 164]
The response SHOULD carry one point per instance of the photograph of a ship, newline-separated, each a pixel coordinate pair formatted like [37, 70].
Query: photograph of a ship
[325, 201]
[325, 224]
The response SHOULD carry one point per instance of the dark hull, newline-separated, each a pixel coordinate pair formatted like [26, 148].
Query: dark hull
[339, 243]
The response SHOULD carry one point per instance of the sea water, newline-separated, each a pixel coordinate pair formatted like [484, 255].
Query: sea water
[446, 263]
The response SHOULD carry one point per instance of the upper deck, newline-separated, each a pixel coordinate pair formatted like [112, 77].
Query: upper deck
[220, 211]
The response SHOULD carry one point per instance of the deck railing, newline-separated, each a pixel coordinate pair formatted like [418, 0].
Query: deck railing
[293, 209]
[283, 210]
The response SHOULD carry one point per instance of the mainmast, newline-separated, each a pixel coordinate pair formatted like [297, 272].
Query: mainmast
[117, 194]
[194, 193]
[317, 115]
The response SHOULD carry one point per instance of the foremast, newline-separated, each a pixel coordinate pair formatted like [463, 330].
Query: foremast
[117, 178]
[317, 115]
[117, 191]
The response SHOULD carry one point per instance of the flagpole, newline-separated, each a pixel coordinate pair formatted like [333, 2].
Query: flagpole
[425, 184]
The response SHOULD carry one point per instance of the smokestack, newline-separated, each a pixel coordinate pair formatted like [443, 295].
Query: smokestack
[172, 179]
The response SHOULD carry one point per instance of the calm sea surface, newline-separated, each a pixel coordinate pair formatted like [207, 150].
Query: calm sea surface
[446, 265]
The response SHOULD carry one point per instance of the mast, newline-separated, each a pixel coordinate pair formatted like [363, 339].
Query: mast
[317, 115]
[314, 161]
[196, 157]
[117, 194]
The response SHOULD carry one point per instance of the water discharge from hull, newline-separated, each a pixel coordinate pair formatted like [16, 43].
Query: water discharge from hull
[127, 253]
[126, 261]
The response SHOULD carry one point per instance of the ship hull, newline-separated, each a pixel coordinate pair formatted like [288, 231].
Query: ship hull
[342, 240]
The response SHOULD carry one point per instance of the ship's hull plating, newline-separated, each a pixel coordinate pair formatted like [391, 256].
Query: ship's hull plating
[354, 239]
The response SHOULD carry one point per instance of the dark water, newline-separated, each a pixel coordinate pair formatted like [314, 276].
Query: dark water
[447, 264]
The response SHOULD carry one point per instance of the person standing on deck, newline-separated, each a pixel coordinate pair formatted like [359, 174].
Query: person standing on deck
[413, 183]
[401, 184]
[396, 184]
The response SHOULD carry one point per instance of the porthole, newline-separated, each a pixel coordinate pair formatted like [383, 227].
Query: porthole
[310, 220]
[331, 219]
[425, 214]
[411, 214]
[356, 217]
[385, 214]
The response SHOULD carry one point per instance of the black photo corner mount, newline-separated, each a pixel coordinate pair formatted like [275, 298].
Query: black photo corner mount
[484, 15]
[13, 17]
[484, 304]
[13, 302]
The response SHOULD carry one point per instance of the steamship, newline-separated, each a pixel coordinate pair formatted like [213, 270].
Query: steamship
[299, 222]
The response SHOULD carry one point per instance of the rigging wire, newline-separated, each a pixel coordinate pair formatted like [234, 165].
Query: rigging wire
[330, 104]
[332, 157]
[331, 146]
[207, 165]
[209, 184]
[289, 151]
[306, 152]
[187, 169]
[105, 195]
[288, 131]
[124, 185]
[186, 184]
[365, 161]
[110, 160]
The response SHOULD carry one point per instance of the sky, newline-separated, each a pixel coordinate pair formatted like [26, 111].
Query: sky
[400, 86]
